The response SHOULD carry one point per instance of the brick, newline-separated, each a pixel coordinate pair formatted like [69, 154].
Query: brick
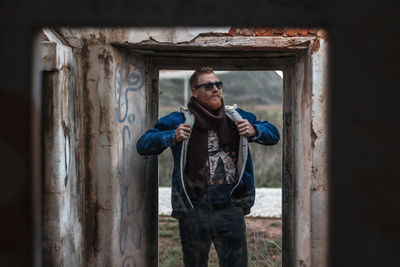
[291, 32]
[302, 31]
[278, 30]
[263, 31]
[232, 31]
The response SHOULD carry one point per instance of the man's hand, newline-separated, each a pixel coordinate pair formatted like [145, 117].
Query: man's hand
[182, 132]
[245, 128]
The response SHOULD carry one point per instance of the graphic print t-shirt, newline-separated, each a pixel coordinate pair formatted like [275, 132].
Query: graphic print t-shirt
[221, 162]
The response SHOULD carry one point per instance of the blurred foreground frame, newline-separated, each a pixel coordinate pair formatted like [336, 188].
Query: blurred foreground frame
[356, 200]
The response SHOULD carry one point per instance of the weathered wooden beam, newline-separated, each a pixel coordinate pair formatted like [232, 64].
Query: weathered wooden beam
[251, 43]
[209, 53]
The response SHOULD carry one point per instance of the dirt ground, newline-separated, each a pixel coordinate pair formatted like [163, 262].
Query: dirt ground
[272, 227]
[260, 231]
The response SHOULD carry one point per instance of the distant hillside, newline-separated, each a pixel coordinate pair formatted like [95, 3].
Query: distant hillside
[240, 87]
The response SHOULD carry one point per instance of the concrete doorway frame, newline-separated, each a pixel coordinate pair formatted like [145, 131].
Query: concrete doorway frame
[304, 63]
[89, 79]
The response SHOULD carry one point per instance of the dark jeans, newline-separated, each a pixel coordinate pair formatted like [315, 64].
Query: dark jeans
[225, 227]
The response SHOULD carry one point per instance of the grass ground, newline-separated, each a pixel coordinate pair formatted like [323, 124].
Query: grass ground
[263, 238]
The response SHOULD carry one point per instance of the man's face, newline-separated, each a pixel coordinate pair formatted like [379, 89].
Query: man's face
[210, 99]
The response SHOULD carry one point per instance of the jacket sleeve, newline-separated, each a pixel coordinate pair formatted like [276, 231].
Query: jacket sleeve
[267, 134]
[156, 140]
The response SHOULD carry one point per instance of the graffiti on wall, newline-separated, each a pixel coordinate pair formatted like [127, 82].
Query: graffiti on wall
[130, 79]
[129, 262]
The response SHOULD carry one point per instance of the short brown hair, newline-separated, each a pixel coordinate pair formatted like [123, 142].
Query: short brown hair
[197, 73]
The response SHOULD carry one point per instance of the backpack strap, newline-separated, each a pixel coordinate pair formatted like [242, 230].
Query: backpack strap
[189, 119]
[232, 114]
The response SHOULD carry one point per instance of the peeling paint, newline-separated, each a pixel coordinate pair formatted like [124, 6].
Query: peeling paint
[275, 31]
[171, 35]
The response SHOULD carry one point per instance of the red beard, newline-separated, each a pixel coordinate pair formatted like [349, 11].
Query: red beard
[214, 104]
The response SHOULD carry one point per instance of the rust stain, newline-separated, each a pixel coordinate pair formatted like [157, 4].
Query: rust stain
[96, 40]
[90, 194]
[106, 58]
[314, 46]
[313, 135]
[319, 188]
[277, 31]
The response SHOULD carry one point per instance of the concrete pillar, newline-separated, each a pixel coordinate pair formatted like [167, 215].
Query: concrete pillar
[319, 144]
[305, 191]
[63, 216]
[100, 210]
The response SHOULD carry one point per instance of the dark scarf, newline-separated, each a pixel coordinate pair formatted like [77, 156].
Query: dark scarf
[196, 172]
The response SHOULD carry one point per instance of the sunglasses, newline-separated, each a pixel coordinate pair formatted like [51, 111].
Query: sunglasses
[210, 86]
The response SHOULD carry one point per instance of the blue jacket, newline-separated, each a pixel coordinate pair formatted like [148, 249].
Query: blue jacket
[156, 140]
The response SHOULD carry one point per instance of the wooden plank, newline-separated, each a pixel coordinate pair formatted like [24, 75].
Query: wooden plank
[151, 180]
[252, 43]
[212, 53]
[288, 181]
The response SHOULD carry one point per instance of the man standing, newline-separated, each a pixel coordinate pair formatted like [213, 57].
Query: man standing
[212, 180]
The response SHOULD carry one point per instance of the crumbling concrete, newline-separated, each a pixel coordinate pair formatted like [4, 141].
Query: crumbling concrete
[134, 35]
